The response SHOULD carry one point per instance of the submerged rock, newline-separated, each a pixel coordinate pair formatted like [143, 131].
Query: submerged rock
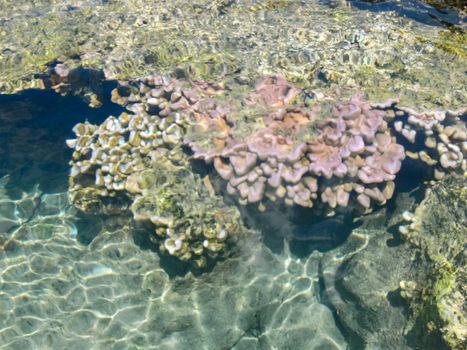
[362, 287]
[438, 290]
[408, 295]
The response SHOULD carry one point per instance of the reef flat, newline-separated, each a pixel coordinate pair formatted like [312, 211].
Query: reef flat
[310, 43]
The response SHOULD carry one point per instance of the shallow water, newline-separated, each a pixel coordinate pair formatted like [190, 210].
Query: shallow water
[70, 280]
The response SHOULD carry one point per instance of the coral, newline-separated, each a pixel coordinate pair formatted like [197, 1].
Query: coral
[191, 225]
[301, 158]
[438, 138]
[345, 156]
[134, 163]
[268, 145]
[274, 92]
[105, 156]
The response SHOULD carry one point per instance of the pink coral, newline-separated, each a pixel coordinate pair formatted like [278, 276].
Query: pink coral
[326, 160]
[273, 92]
[382, 167]
[351, 151]
[346, 157]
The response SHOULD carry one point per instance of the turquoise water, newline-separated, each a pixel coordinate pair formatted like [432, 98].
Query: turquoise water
[298, 280]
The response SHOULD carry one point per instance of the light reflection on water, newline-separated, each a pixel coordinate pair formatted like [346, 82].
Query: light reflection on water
[113, 293]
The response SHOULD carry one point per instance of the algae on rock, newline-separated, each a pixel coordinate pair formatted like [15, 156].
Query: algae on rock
[395, 295]
[311, 44]
[440, 235]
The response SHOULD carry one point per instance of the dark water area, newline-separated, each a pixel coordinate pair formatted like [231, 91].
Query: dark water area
[33, 128]
[35, 125]
[441, 13]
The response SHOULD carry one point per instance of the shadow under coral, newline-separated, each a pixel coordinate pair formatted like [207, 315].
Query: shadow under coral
[33, 128]
[306, 230]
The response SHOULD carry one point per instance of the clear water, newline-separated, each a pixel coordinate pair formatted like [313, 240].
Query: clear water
[70, 280]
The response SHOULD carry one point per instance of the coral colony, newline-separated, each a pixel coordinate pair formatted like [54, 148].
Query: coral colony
[270, 147]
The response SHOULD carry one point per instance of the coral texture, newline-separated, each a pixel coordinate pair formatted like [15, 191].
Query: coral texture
[191, 225]
[347, 157]
[270, 145]
[302, 159]
[135, 163]
[311, 43]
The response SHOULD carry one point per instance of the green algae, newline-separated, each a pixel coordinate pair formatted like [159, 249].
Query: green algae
[437, 310]
[443, 4]
[453, 41]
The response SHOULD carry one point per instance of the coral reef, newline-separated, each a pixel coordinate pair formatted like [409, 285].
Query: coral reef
[114, 292]
[348, 157]
[134, 163]
[275, 145]
[438, 139]
[191, 223]
[106, 156]
[272, 144]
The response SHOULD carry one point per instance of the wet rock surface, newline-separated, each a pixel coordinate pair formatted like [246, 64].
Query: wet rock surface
[390, 294]
[363, 290]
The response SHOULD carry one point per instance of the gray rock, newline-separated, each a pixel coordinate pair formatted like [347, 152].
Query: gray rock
[362, 286]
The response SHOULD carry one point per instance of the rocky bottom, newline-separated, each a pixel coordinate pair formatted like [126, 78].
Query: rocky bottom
[113, 294]
[58, 293]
